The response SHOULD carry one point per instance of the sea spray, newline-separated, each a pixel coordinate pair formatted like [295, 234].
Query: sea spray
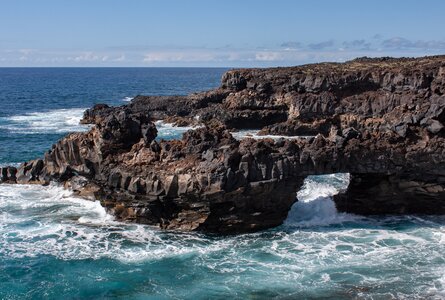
[60, 246]
[318, 255]
[314, 204]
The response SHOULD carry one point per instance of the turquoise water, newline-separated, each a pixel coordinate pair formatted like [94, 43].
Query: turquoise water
[56, 246]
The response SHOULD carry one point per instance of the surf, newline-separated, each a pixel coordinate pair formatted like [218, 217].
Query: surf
[51, 121]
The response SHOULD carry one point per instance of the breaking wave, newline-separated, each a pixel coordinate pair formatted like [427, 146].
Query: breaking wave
[253, 134]
[127, 99]
[37, 220]
[168, 131]
[315, 206]
[318, 251]
[53, 121]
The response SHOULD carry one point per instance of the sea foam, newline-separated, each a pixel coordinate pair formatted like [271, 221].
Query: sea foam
[127, 99]
[254, 134]
[169, 131]
[37, 220]
[306, 254]
[52, 121]
[315, 206]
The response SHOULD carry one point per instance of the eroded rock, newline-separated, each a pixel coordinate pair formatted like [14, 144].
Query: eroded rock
[379, 119]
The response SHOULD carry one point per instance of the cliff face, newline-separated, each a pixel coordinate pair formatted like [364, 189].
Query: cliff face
[379, 119]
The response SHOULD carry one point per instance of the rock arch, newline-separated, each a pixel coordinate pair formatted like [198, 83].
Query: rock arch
[381, 120]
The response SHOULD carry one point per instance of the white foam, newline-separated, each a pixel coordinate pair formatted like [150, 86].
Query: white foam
[128, 99]
[438, 290]
[253, 134]
[10, 165]
[169, 131]
[36, 220]
[315, 206]
[53, 121]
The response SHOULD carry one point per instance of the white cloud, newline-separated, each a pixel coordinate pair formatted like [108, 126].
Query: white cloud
[289, 53]
[120, 58]
[26, 51]
[321, 45]
[180, 56]
[402, 43]
[88, 57]
[268, 56]
[162, 57]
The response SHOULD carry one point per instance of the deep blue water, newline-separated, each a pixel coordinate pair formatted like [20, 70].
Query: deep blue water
[56, 246]
[40, 105]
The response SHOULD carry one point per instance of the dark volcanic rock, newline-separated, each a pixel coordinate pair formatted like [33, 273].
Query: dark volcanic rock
[8, 175]
[382, 120]
[401, 194]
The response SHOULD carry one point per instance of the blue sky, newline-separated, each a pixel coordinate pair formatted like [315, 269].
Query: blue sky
[241, 33]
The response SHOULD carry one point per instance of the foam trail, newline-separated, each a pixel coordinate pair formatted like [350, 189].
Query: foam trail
[53, 121]
[253, 133]
[48, 221]
[37, 220]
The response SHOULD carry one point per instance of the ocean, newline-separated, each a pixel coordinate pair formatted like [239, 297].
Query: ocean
[56, 246]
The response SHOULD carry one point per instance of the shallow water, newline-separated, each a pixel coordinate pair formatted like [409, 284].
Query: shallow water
[56, 246]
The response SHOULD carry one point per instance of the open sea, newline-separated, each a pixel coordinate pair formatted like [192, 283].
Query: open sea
[56, 246]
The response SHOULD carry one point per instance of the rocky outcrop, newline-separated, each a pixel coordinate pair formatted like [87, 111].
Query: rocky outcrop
[395, 194]
[382, 120]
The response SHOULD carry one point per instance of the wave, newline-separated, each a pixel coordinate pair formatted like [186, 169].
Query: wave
[52, 121]
[168, 131]
[37, 220]
[127, 99]
[12, 164]
[376, 255]
[315, 206]
[68, 120]
[253, 134]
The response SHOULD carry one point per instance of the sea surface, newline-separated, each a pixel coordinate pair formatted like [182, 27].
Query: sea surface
[56, 246]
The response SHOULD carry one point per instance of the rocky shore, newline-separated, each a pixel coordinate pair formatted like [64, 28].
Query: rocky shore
[381, 120]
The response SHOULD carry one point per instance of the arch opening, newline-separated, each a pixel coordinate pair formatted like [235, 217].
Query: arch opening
[315, 205]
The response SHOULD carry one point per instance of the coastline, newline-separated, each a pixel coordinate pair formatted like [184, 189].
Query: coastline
[209, 181]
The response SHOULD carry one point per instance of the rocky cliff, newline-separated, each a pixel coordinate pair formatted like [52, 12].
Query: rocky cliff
[381, 120]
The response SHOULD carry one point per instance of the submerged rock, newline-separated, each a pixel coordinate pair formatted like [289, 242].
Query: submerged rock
[379, 119]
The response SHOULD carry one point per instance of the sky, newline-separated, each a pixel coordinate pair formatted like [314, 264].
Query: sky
[211, 33]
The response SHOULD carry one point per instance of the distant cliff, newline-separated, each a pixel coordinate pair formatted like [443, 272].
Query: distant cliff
[382, 120]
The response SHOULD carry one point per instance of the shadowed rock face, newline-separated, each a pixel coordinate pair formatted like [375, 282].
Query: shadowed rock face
[379, 119]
